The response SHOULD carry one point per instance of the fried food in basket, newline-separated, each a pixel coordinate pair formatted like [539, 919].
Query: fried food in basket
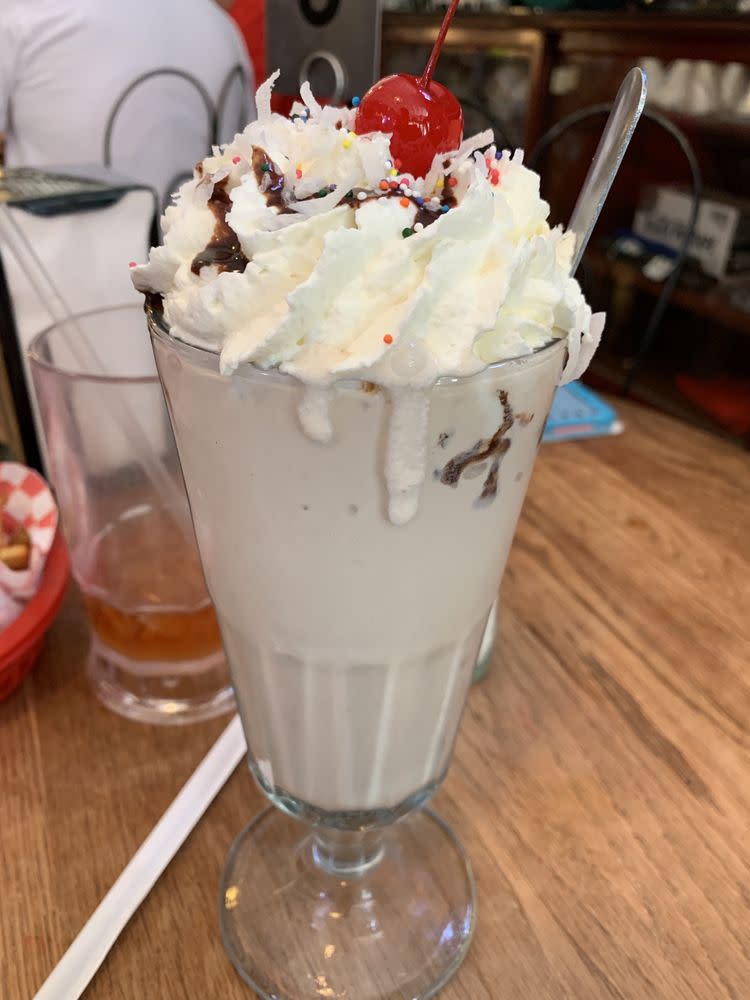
[15, 544]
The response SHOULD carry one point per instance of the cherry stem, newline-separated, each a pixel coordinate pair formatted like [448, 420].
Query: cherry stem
[426, 78]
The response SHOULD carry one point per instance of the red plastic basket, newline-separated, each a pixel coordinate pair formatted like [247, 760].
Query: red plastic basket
[21, 642]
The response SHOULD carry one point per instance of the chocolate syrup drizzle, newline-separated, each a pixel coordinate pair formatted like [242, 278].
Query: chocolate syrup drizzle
[424, 215]
[153, 302]
[494, 448]
[224, 251]
[270, 182]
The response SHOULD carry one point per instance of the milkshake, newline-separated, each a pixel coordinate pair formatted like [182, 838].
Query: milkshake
[352, 640]
[358, 372]
[358, 364]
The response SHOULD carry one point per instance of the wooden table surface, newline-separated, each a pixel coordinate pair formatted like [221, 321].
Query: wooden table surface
[601, 783]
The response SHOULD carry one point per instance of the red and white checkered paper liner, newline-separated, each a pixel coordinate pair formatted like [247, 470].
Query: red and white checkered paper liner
[29, 502]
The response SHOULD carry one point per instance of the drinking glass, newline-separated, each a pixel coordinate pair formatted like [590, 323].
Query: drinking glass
[156, 652]
[352, 641]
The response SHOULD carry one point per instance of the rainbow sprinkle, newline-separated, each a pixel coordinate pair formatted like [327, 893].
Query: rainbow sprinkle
[356, 101]
[236, 160]
[387, 338]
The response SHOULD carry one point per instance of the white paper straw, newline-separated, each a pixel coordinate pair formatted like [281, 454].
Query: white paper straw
[78, 965]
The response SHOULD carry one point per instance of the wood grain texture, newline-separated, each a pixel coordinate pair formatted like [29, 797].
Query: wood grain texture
[601, 783]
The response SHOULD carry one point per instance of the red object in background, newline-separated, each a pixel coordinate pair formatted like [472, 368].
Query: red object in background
[250, 17]
[21, 642]
[424, 117]
[725, 398]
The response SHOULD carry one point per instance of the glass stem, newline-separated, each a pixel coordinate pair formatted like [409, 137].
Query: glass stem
[346, 853]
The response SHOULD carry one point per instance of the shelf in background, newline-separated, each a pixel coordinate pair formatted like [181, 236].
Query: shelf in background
[554, 38]
[656, 22]
[724, 126]
[654, 388]
[709, 304]
[631, 34]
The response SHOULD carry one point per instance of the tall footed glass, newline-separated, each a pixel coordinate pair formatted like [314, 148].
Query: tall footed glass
[352, 642]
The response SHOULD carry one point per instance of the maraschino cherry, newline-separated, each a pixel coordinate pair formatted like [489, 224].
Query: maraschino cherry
[424, 117]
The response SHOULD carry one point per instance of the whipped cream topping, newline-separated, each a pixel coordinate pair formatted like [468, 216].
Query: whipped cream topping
[300, 245]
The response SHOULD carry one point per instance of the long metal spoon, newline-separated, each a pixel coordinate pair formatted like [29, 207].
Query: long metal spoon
[618, 131]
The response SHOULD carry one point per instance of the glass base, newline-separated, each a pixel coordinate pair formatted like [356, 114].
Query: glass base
[310, 913]
[345, 819]
[171, 694]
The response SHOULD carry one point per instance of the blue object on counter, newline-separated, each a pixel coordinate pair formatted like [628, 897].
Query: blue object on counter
[577, 412]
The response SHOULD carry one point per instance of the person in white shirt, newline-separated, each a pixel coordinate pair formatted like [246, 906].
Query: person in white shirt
[145, 87]
[64, 64]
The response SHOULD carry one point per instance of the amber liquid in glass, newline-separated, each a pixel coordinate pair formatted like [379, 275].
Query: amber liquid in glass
[145, 592]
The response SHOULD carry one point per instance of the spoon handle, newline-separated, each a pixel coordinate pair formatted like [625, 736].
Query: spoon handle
[618, 131]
